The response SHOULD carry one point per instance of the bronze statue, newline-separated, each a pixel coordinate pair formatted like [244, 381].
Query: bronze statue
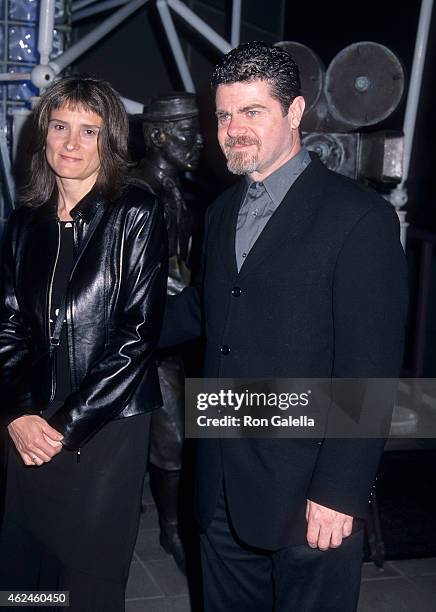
[173, 143]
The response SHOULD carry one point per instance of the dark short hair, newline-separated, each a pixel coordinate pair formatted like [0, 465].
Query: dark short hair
[257, 60]
[91, 94]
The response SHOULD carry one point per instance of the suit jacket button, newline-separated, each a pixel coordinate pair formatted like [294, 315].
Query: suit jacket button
[236, 291]
[225, 349]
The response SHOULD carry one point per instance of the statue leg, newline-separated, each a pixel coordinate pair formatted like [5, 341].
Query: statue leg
[166, 447]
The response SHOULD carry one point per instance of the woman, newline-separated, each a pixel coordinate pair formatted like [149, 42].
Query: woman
[83, 289]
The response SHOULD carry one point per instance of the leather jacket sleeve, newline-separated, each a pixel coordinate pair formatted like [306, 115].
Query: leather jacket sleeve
[15, 334]
[112, 380]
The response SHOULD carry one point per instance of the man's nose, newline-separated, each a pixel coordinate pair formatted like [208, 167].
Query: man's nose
[236, 127]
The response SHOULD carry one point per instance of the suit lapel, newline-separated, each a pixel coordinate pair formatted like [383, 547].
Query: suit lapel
[227, 228]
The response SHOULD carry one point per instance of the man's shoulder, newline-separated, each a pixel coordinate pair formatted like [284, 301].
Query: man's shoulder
[348, 204]
[343, 194]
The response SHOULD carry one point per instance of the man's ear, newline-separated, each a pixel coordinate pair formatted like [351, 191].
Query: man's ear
[295, 112]
[157, 137]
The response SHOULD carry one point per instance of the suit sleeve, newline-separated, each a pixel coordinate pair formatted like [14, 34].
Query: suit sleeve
[15, 334]
[183, 319]
[112, 380]
[370, 297]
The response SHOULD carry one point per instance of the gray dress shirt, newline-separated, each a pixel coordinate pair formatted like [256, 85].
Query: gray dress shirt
[262, 199]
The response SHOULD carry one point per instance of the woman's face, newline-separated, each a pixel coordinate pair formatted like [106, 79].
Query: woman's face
[72, 143]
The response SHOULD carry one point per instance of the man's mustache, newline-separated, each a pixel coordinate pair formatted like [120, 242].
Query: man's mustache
[232, 141]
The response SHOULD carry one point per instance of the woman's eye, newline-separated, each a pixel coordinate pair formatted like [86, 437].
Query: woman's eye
[89, 132]
[58, 126]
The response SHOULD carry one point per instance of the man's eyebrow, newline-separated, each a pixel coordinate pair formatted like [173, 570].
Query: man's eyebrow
[244, 109]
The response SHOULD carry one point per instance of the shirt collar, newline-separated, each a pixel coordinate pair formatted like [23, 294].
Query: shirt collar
[281, 180]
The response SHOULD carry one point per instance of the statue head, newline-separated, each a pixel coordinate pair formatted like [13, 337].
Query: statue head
[171, 131]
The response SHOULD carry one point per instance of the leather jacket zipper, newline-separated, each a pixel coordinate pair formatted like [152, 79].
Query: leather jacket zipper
[49, 311]
[53, 386]
[52, 277]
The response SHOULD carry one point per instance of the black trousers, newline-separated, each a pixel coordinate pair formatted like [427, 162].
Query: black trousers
[72, 525]
[238, 578]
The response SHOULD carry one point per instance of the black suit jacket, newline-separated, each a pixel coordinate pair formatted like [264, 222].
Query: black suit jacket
[323, 293]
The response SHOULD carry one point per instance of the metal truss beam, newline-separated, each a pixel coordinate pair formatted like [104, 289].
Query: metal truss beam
[101, 7]
[93, 37]
[176, 47]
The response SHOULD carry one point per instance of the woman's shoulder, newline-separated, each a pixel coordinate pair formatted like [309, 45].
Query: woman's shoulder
[135, 193]
[136, 202]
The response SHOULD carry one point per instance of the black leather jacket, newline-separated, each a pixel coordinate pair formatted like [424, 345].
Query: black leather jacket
[114, 307]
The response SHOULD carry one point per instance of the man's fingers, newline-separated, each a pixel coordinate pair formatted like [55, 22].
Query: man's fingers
[312, 533]
[326, 528]
[347, 527]
[324, 538]
[336, 538]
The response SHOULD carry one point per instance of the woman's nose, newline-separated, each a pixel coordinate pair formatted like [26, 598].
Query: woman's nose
[72, 141]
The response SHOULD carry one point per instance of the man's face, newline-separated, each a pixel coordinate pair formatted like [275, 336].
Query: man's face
[253, 134]
[183, 145]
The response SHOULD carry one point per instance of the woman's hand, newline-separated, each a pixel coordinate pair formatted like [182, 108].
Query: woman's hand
[34, 439]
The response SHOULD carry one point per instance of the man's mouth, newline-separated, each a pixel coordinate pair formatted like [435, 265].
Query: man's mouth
[240, 142]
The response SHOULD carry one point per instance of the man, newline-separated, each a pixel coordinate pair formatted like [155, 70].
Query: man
[173, 144]
[304, 276]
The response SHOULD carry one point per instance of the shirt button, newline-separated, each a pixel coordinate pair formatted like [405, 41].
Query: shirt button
[244, 254]
[255, 212]
[260, 184]
[236, 291]
[225, 349]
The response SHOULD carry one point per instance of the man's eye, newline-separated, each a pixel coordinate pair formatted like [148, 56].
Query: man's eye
[252, 113]
[223, 118]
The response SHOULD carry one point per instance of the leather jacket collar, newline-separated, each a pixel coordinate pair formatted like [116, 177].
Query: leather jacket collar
[86, 208]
